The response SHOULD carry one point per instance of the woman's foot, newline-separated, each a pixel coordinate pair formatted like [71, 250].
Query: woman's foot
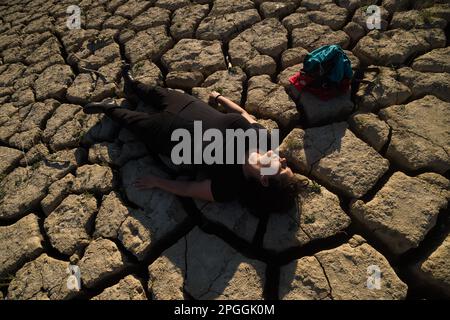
[99, 107]
[129, 84]
[132, 84]
[128, 80]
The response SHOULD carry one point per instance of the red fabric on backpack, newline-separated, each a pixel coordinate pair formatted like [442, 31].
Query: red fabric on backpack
[301, 82]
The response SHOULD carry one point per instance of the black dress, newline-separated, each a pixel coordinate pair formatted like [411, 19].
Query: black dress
[178, 110]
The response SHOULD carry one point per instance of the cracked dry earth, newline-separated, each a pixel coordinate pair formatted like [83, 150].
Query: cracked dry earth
[378, 160]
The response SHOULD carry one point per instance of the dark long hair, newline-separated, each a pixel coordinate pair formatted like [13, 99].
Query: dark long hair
[279, 196]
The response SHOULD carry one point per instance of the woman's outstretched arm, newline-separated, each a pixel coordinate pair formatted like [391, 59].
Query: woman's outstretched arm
[191, 189]
[231, 106]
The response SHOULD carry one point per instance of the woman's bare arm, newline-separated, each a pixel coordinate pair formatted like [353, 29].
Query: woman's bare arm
[231, 106]
[192, 189]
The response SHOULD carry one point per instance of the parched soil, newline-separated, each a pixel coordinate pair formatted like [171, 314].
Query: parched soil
[377, 160]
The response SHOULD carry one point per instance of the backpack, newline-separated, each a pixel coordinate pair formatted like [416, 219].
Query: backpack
[326, 73]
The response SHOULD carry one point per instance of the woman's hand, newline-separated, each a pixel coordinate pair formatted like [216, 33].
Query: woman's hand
[147, 182]
[213, 97]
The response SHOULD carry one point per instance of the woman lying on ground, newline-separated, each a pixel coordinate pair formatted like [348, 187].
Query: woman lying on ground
[245, 181]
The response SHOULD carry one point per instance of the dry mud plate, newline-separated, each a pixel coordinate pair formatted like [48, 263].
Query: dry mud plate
[377, 161]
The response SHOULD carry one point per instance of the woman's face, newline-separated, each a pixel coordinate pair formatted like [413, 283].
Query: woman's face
[271, 164]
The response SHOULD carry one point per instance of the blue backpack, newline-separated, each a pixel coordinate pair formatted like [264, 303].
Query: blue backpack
[329, 65]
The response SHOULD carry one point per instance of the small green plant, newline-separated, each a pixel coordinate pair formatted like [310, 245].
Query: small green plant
[315, 187]
[2, 176]
[220, 90]
[88, 195]
[233, 70]
[364, 8]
